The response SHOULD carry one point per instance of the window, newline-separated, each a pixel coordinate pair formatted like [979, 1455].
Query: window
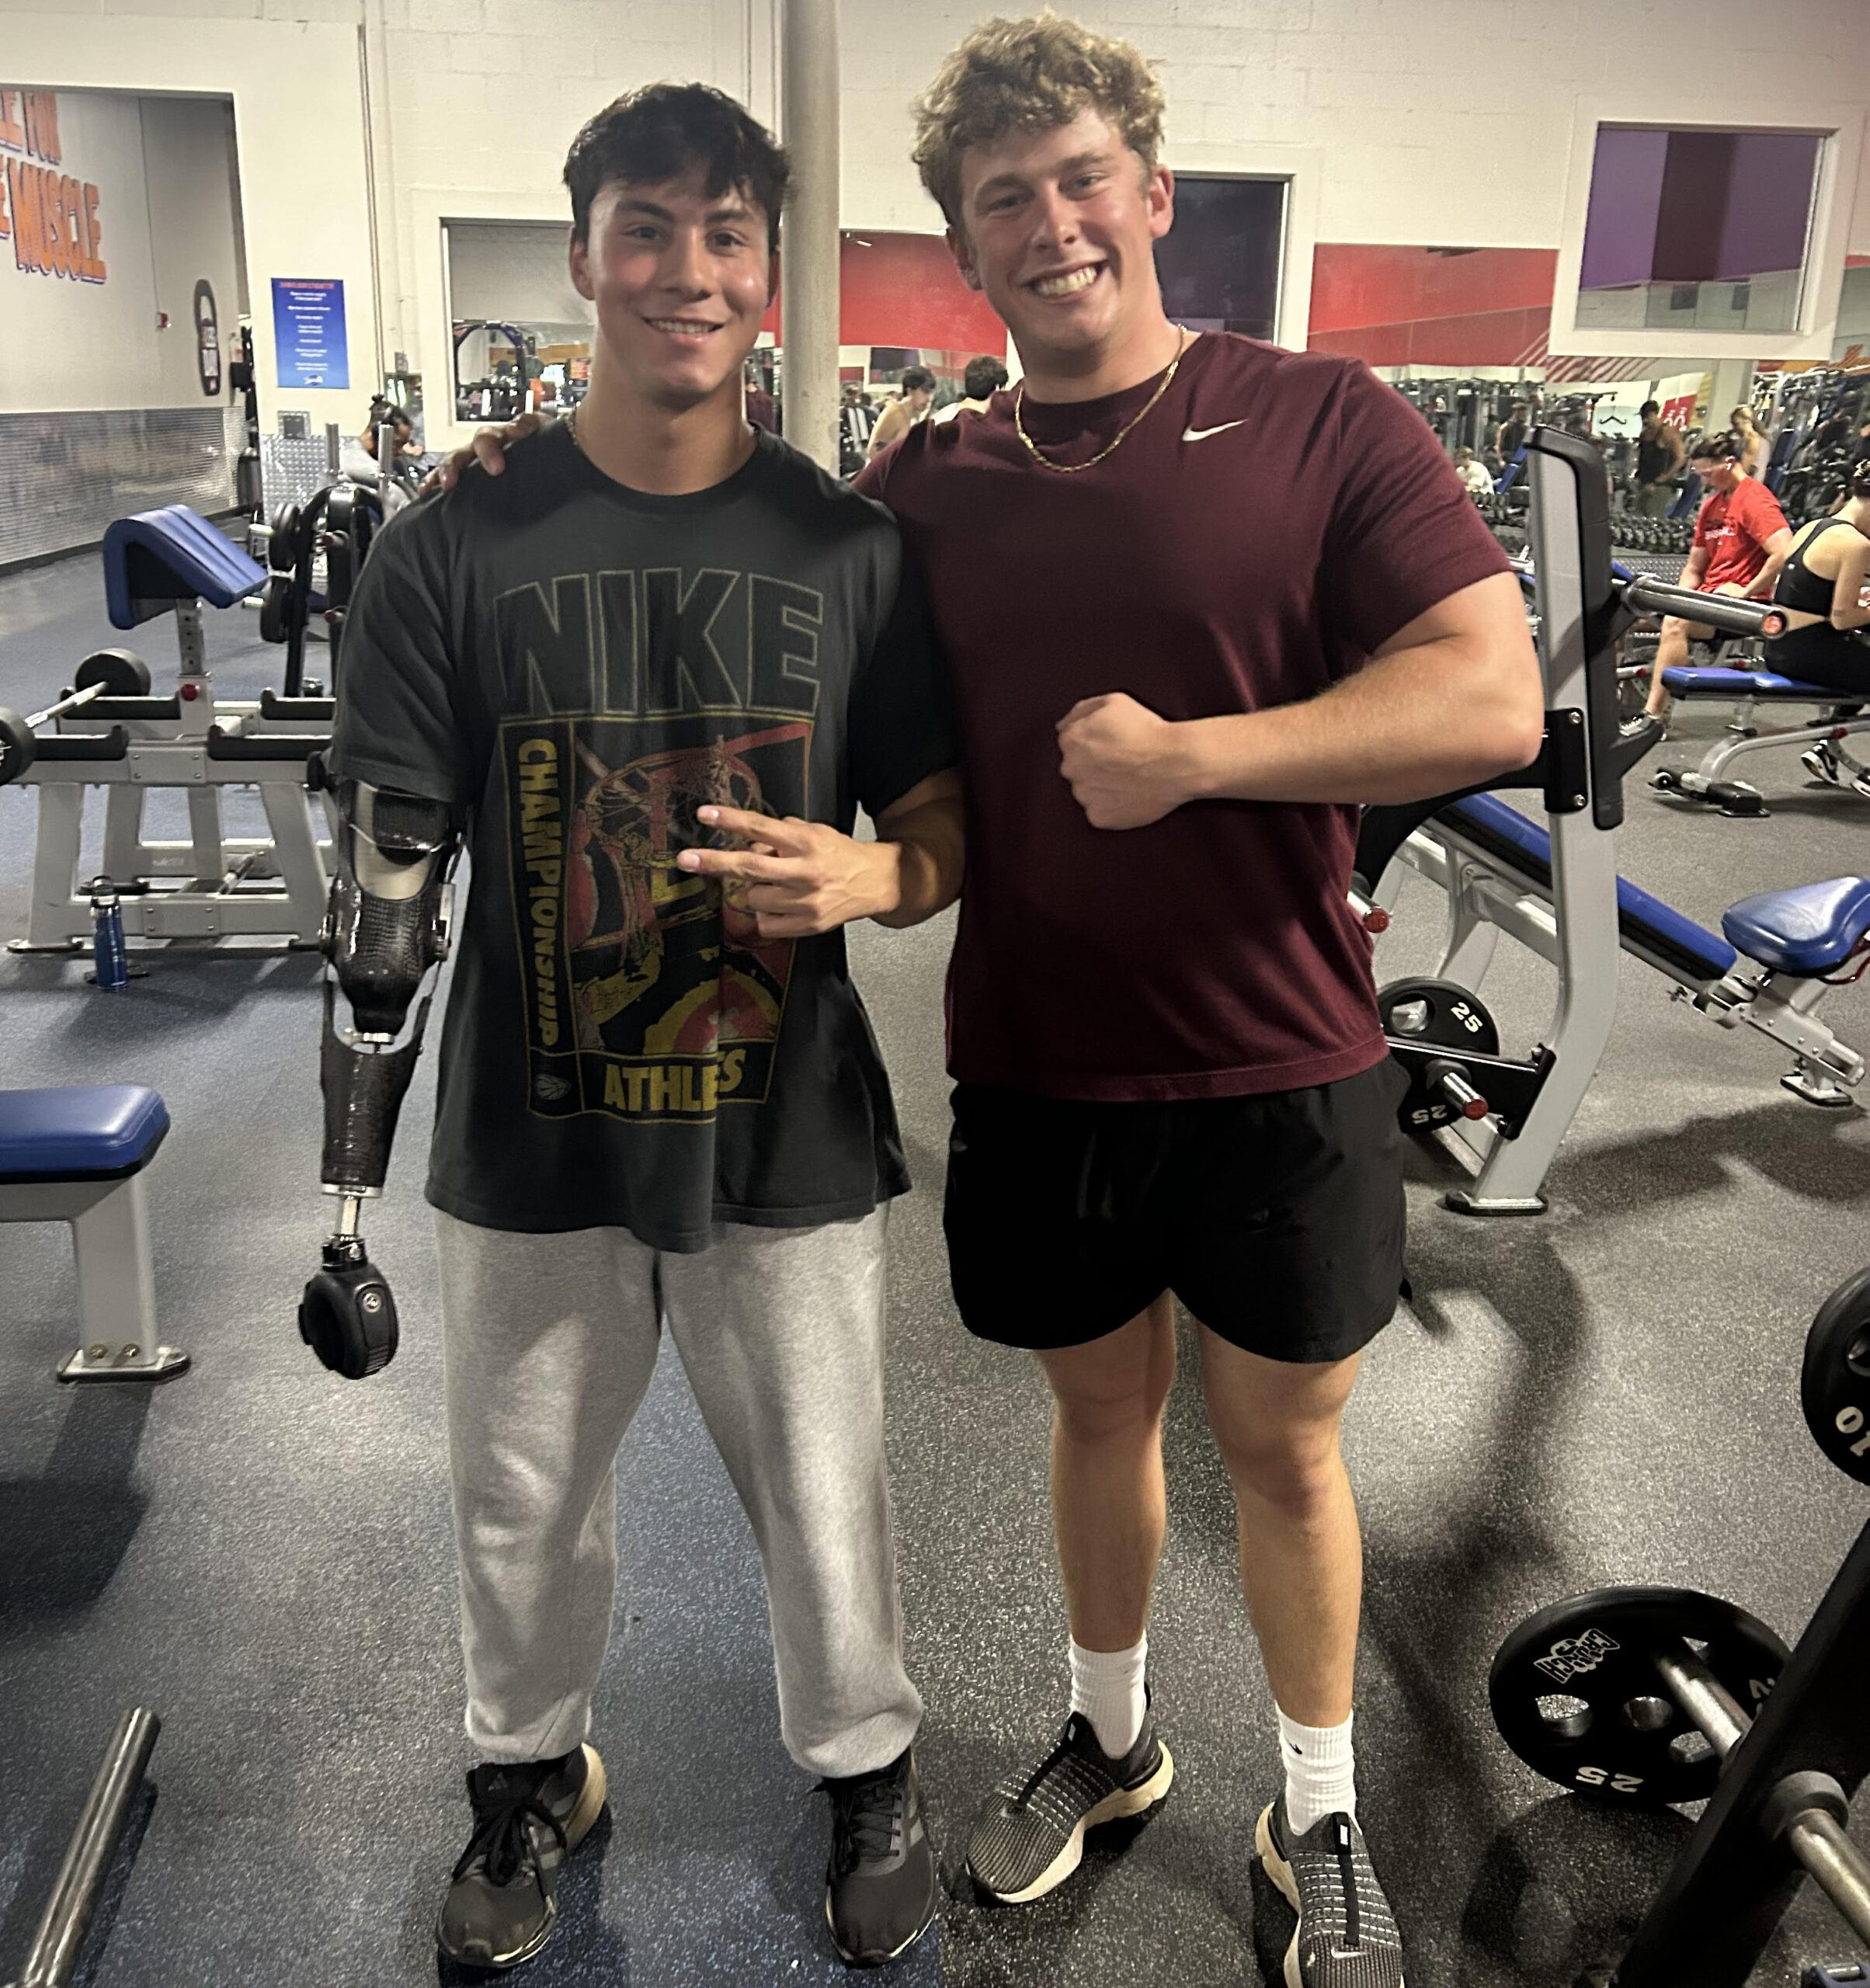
[1700, 231]
[517, 319]
[1219, 264]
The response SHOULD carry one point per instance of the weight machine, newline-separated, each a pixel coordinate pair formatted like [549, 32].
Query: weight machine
[111, 733]
[1556, 890]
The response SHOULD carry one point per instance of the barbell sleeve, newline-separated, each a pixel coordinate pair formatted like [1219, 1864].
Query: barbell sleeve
[1723, 1722]
[1835, 1865]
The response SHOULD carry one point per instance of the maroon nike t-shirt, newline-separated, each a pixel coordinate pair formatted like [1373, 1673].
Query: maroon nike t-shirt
[1272, 520]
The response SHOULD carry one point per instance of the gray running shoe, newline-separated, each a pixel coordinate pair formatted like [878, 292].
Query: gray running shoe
[1032, 1836]
[502, 1902]
[1347, 1935]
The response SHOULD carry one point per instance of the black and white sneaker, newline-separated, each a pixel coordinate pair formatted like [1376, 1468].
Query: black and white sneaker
[502, 1904]
[1347, 1935]
[1821, 763]
[1032, 1836]
[880, 1884]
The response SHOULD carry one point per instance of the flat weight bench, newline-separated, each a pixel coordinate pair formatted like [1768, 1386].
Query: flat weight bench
[1745, 690]
[77, 1155]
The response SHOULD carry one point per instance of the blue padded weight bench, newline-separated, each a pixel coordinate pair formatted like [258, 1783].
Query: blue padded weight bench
[1745, 690]
[77, 1155]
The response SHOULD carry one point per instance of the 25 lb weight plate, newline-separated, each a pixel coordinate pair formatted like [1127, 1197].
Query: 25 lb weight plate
[1834, 1384]
[1439, 1014]
[122, 673]
[1577, 1694]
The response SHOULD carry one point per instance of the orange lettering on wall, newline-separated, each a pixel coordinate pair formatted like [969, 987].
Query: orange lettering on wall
[57, 252]
[6, 208]
[12, 138]
[95, 271]
[25, 180]
[42, 233]
[41, 107]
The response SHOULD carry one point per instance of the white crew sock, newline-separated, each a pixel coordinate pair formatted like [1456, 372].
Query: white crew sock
[1321, 1775]
[1107, 1687]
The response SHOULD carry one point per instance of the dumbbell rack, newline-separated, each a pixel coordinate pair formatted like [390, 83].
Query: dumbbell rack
[222, 886]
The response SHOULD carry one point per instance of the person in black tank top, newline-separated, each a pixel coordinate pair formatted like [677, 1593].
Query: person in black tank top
[1831, 651]
[1660, 457]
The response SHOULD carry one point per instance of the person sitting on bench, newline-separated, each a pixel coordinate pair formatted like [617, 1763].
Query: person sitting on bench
[1821, 587]
[357, 459]
[1741, 540]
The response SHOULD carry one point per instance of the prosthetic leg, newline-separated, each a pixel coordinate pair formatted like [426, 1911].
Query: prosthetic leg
[387, 925]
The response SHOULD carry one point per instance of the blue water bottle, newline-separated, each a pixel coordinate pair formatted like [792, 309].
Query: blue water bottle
[112, 970]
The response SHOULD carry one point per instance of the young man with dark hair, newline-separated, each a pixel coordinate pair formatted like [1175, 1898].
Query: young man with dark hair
[1659, 456]
[981, 378]
[654, 667]
[1741, 540]
[916, 390]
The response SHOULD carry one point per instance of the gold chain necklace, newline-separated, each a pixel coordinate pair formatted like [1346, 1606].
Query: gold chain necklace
[1071, 469]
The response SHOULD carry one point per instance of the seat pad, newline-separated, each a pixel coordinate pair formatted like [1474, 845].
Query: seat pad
[155, 558]
[1810, 930]
[88, 1130]
[1685, 681]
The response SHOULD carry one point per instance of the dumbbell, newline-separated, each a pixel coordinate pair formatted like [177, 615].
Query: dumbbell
[18, 746]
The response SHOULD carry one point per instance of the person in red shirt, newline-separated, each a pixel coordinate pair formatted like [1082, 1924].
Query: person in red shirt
[1202, 597]
[1741, 540]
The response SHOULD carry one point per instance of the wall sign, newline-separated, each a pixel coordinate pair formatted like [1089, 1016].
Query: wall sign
[309, 331]
[50, 215]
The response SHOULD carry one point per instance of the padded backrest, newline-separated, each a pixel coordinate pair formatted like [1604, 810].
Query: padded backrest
[1642, 921]
[156, 558]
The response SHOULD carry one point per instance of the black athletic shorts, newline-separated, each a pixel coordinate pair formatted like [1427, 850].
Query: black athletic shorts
[1277, 1219]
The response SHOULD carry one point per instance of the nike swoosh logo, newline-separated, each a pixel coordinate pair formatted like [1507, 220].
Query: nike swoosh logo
[1202, 434]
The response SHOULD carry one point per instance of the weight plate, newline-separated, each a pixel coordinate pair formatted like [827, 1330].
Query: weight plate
[275, 597]
[122, 673]
[1577, 1694]
[1439, 1014]
[1834, 1384]
[282, 545]
[17, 745]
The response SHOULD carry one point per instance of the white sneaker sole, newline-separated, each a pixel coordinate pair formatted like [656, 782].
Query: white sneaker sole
[882, 1960]
[1287, 1885]
[1125, 1802]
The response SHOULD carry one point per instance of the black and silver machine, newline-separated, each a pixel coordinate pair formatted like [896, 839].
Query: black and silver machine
[386, 929]
[1645, 1696]
[1556, 890]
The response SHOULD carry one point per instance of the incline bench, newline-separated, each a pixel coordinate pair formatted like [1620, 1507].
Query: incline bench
[212, 885]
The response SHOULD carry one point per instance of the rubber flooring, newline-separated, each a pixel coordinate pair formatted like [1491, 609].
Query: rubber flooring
[261, 1552]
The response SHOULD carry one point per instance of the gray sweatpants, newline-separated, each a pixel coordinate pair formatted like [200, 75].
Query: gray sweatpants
[550, 1342]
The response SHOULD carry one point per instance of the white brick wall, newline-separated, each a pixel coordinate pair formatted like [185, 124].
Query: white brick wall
[1439, 121]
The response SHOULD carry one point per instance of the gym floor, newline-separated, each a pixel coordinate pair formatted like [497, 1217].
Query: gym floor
[261, 1552]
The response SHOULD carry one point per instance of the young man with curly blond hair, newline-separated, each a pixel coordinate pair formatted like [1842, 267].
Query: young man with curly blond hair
[1203, 597]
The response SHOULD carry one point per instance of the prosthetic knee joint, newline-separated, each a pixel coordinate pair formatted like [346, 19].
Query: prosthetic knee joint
[386, 929]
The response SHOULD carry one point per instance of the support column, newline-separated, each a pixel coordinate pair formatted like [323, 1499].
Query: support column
[809, 312]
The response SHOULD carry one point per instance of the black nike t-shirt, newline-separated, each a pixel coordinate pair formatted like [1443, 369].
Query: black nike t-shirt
[579, 667]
